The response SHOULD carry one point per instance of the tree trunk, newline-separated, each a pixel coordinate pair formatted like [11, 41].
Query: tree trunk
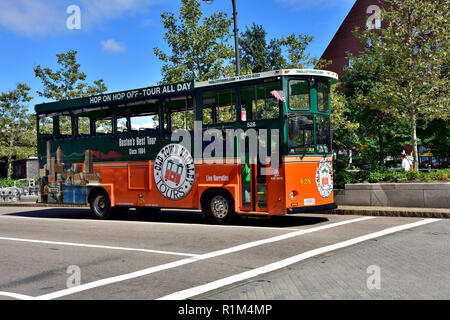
[414, 140]
[9, 173]
[381, 141]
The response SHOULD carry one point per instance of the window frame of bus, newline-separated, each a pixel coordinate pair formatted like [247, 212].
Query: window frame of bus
[249, 106]
[51, 125]
[292, 115]
[131, 113]
[310, 87]
[214, 114]
[327, 85]
[70, 117]
[189, 106]
[329, 142]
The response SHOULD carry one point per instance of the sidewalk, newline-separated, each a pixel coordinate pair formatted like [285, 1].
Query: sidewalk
[412, 265]
[392, 211]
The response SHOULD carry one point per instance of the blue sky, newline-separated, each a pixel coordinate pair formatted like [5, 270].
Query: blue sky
[117, 37]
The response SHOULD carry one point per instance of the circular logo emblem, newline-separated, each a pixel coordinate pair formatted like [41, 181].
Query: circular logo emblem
[324, 178]
[174, 171]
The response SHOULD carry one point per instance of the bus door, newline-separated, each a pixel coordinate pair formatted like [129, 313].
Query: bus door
[253, 186]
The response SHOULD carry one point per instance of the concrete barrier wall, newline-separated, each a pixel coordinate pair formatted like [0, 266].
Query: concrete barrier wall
[413, 195]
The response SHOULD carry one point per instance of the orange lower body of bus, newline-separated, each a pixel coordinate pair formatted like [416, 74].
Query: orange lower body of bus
[299, 185]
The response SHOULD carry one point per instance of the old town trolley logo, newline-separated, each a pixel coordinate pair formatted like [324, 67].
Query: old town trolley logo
[324, 178]
[174, 171]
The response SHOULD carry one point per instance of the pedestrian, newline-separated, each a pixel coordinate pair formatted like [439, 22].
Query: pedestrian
[406, 165]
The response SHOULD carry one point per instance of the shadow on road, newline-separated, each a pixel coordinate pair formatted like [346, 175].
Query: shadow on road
[171, 216]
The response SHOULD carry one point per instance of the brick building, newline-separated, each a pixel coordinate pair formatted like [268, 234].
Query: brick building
[364, 14]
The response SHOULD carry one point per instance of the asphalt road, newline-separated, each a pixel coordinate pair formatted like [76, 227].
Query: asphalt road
[62, 253]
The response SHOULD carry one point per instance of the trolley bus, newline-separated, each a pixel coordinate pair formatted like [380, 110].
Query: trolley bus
[190, 145]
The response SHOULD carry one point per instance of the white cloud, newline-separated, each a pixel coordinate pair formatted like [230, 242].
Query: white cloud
[112, 45]
[42, 17]
[31, 17]
[319, 4]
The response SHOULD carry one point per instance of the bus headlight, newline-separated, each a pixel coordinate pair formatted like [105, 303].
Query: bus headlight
[294, 193]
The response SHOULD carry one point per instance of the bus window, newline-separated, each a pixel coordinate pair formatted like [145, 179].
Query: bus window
[226, 106]
[323, 134]
[208, 116]
[299, 95]
[84, 126]
[263, 104]
[322, 96]
[65, 125]
[45, 125]
[183, 119]
[219, 106]
[103, 126]
[301, 134]
[122, 125]
[144, 122]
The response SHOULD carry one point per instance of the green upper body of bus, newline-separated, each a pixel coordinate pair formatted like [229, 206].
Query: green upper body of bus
[294, 101]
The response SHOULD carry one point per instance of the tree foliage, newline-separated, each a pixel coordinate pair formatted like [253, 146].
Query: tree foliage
[16, 126]
[68, 82]
[406, 65]
[259, 55]
[198, 45]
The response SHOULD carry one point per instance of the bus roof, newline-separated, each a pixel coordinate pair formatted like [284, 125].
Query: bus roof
[276, 73]
[150, 93]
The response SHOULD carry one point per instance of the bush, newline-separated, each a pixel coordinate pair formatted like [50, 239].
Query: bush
[382, 175]
[342, 178]
[6, 183]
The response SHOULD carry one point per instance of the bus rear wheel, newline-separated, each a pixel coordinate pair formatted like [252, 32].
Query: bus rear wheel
[100, 205]
[218, 208]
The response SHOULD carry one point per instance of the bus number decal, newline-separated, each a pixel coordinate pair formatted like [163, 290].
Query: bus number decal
[174, 171]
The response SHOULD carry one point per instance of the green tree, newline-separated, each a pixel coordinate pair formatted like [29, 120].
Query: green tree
[256, 54]
[17, 136]
[411, 55]
[68, 82]
[199, 48]
[435, 135]
[287, 52]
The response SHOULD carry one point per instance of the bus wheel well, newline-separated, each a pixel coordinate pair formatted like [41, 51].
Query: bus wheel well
[94, 191]
[209, 192]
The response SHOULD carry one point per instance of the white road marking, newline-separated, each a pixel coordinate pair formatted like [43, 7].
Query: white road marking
[181, 262]
[16, 295]
[185, 294]
[99, 246]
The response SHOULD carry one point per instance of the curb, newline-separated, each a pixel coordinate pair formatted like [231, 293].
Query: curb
[439, 213]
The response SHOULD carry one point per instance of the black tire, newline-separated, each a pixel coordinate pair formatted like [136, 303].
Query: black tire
[100, 205]
[218, 207]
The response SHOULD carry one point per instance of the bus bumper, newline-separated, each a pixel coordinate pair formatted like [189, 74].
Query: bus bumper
[324, 207]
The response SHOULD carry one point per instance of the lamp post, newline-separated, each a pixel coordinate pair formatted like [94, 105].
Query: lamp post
[236, 38]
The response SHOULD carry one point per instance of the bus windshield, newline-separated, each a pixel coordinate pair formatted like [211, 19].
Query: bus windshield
[301, 133]
[309, 133]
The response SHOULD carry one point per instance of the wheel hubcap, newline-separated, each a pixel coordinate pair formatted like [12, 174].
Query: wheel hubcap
[100, 205]
[219, 207]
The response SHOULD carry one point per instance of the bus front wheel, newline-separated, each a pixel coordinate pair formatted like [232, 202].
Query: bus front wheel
[218, 208]
[100, 205]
